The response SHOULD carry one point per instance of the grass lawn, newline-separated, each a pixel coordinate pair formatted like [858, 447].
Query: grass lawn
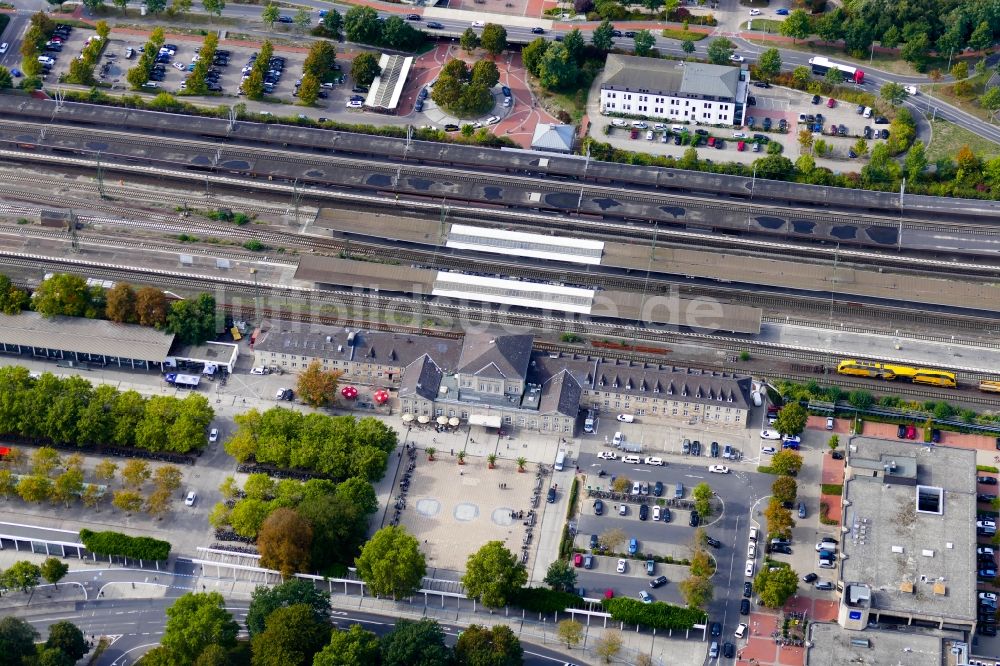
[946, 92]
[570, 102]
[681, 34]
[948, 138]
[764, 25]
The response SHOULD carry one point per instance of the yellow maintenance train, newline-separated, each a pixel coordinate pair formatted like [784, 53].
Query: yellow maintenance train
[889, 372]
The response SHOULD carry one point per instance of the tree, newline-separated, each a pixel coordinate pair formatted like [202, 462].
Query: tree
[833, 442]
[643, 42]
[8, 483]
[321, 59]
[575, 44]
[12, 299]
[532, 55]
[181, 6]
[779, 519]
[391, 563]
[265, 600]
[561, 576]
[128, 501]
[309, 90]
[135, 474]
[158, 503]
[688, 46]
[285, 541]
[613, 539]
[774, 587]
[702, 495]
[412, 643]
[608, 645]
[333, 22]
[469, 40]
[719, 51]
[292, 636]
[797, 26]
[769, 64]
[861, 146]
[214, 6]
[784, 489]
[786, 462]
[792, 419]
[960, 70]
[916, 159]
[6, 80]
[364, 68]
[494, 39]
[68, 486]
[44, 460]
[193, 321]
[65, 294]
[860, 399]
[697, 591]
[834, 76]
[151, 307]
[570, 632]
[168, 477]
[894, 93]
[485, 73]
[270, 14]
[982, 37]
[351, 647]
[18, 640]
[195, 621]
[916, 51]
[316, 386]
[302, 20]
[701, 563]
[34, 488]
[603, 36]
[492, 574]
[67, 638]
[105, 471]
[482, 646]
[22, 575]
[557, 70]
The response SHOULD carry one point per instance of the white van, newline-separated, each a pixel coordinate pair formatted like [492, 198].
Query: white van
[748, 572]
[632, 460]
[588, 424]
[757, 400]
[626, 418]
[560, 461]
[45, 60]
[868, 112]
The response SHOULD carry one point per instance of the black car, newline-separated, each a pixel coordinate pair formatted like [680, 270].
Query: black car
[418, 107]
[360, 89]
[715, 449]
[422, 94]
[451, 127]
[413, 17]
[809, 577]
[716, 629]
[357, 98]
[677, 139]
[744, 606]
[816, 99]
[538, 31]
[593, 541]
[842, 130]
[665, 515]
[505, 90]
[781, 548]
[988, 629]
[658, 489]
[838, 455]
[719, 144]
[550, 497]
[885, 134]
[616, 33]
[643, 511]
[559, 38]
[986, 497]
[747, 589]
[214, 87]
[935, 435]
[728, 650]
[881, 120]
[782, 125]
[696, 448]
[714, 543]
[629, 33]
[659, 581]
[598, 508]
[285, 19]
[987, 480]
[867, 132]
[860, 109]
[901, 431]
[751, 101]
[695, 519]
[434, 25]
[767, 124]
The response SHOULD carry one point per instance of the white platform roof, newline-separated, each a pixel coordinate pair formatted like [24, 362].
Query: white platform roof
[388, 86]
[537, 295]
[520, 244]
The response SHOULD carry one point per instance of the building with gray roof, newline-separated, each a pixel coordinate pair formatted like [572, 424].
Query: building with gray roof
[553, 138]
[674, 90]
[909, 533]
[829, 645]
[84, 341]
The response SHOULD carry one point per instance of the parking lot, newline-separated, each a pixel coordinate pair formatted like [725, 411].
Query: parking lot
[772, 107]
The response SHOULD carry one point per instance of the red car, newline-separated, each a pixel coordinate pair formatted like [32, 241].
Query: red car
[830, 103]
[578, 560]
[911, 432]
[741, 146]
[609, 593]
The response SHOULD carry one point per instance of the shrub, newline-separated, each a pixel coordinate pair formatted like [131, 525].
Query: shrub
[833, 488]
[543, 600]
[115, 543]
[656, 615]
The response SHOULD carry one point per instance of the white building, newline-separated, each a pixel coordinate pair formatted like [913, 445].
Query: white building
[674, 90]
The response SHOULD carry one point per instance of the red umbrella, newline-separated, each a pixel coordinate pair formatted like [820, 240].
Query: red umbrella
[349, 392]
[381, 396]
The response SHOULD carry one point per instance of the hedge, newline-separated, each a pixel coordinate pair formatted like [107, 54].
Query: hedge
[115, 543]
[657, 615]
[574, 490]
[987, 468]
[833, 488]
[544, 600]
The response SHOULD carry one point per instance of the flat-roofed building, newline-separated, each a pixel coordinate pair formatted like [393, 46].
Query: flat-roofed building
[830, 645]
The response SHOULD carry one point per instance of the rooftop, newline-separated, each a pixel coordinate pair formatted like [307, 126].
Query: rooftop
[671, 78]
[86, 336]
[911, 527]
[388, 86]
[832, 646]
[550, 136]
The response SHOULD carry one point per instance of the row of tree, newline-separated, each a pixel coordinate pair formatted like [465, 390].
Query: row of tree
[775, 584]
[40, 30]
[918, 28]
[364, 26]
[196, 83]
[253, 85]
[290, 624]
[317, 525]
[318, 65]
[81, 70]
[177, 7]
[138, 74]
[340, 447]
[65, 644]
[493, 40]
[71, 411]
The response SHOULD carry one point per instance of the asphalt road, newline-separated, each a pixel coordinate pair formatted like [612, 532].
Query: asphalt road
[738, 492]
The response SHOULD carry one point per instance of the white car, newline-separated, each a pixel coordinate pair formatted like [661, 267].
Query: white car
[626, 418]
[988, 597]
[191, 496]
[478, 24]
[736, 58]
[618, 122]
[213, 435]
[741, 630]
[792, 439]
[769, 450]
[751, 550]
[179, 66]
[657, 512]
[493, 120]
[749, 569]
[354, 104]
[607, 455]
[826, 544]
[740, 135]
[910, 90]
[658, 462]
[4, 47]
[754, 12]
[622, 565]
[770, 434]
[259, 370]
[617, 439]
[718, 469]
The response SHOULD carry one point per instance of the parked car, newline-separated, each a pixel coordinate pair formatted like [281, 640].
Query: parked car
[588, 561]
[747, 589]
[694, 520]
[598, 508]
[824, 585]
[659, 581]
[744, 606]
[816, 99]
[578, 560]
[645, 596]
[901, 431]
[633, 545]
[643, 511]
[714, 543]
[987, 480]
[830, 103]
[622, 565]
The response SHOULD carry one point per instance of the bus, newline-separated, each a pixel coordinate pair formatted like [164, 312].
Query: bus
[560, 461]
[989, 386]
[821, 66]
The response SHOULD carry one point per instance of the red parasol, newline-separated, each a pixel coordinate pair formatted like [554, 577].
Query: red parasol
[349, 392]
[381, 396]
